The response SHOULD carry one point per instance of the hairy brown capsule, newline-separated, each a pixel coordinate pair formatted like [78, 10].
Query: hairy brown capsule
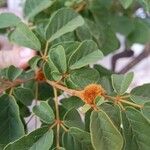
[90, 92]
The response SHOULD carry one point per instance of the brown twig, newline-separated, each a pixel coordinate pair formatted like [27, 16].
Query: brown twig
[140, 57]
[63, 88]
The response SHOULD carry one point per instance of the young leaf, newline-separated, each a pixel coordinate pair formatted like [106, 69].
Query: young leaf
[24, 95]
[58, 57]
[44, 112]
[140, 94]
[11, 127]
[121, 82]
[40, 139]
[33, 7]
[136, 130]
[104, 134]
[8, 20]
[85, 54]
[76, 139]
[126, 3]
[23, 36]
[13, 72]
[63, 21]
[146, 110]
[80, 78]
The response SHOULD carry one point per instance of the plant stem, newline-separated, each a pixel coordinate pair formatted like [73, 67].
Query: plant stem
[46, 49]
[11, 90]
[121, 106]
[61, 87]
[65, 129]
[58, 136]
[130, 103]
[57, 117]
[36, 98]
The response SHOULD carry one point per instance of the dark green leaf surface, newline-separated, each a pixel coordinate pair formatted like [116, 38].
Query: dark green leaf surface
[63, 21]
[146, 110]
[24, 95]
[8, 20]
[33, 7]
[44, 112]
[71, 102]
[140, 28]
[40, 139]
[141, 94]
[33, 62]
[136, 130]
[58, 57]
[121, 82]
[13, 72]
[85, 54]
[11, 127]
[113, 113]
[73, 119]
[23, 36]
[82, 77]
[76, 139]
[104, 134]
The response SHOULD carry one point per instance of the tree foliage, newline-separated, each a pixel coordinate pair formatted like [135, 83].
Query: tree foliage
[94, 110]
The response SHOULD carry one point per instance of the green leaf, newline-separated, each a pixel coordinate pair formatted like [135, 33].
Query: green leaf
[140, 94]
[146, 110]
[45, 91]
[71, 102]
[126, 3]
[85, 54]
[102, 35]
[136, 130]
[63, 21]
[23, 36]
[141, 28]
[13, 72]
[83, 33]
[33, 62]
[40, 139]
[80, 78]
[121, 82]
[33, 7]
[106, 83]
[113, 113]
[104, 134]
[11, 127]
[103, 71]
[8, 20]
[47, 71]
[122, 24]
[85, 108]
[58, 57]
[24, 95]
[44, 112]
[76, 139]
[72, 119]
[145, 4]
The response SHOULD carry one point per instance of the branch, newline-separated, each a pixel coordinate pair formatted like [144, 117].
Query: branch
[139, 58]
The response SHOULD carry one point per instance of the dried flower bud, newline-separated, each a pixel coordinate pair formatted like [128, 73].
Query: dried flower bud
[90, 92]
[40, 75]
